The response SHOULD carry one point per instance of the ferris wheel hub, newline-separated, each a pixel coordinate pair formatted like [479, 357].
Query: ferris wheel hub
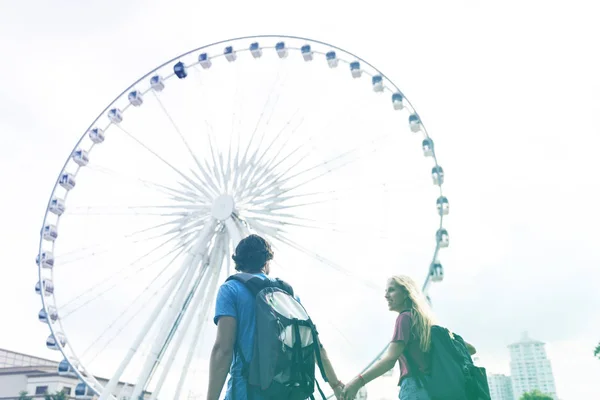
[223, 207]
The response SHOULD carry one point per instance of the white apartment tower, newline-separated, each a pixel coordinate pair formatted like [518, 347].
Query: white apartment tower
[500, 387]
[530, 368]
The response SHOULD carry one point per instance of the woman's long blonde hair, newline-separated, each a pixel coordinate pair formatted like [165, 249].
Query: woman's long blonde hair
[422, 316]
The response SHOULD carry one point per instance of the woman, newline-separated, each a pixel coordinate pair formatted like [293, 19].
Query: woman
[412, 338]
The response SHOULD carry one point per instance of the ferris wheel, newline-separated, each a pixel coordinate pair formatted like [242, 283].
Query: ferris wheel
[293, 139]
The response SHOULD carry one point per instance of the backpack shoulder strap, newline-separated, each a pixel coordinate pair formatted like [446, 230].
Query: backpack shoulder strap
[253, 282]
[256, 283]
[286, 287]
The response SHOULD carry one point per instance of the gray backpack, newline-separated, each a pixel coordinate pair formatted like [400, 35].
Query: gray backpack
[286, 343]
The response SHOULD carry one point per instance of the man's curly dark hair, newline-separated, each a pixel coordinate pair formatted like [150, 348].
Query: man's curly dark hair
[252, 254]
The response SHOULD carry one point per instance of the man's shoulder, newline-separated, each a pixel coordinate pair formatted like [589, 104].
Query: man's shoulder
[234, 286]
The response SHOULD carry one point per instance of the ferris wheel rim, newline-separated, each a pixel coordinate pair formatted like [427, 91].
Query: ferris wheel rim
[80, 369]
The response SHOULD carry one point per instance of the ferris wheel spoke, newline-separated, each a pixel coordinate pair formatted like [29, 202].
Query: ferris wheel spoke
[185, 142]
[186, 222]
[322, 259]
[248, 167]
[91, 290]
[261, 116]
[275, 199]
[210, 171]
[278, 159]
[263, 229]
[129, 308]
[223, 173]
[183, 239]
[206, 169]
[207, 178]
[270, 145]
[228, 171]
[269, 169]
[279, 181]
[277, 204]
[241, 167]
[271, 222]
[181, 227]
[328, 195]
[177, 194]
[282, 220]
[141, 210]
[237, 111]
[219, 168]
[157, 156]
[99, 249]
[269, 177]
[276, 178]
[314, 105]
[250, 173]
[272, 179]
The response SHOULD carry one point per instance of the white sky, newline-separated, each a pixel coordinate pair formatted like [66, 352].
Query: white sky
[508, 90]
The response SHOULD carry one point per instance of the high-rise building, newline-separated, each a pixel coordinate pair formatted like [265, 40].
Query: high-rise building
[530, 368]
[500, 387]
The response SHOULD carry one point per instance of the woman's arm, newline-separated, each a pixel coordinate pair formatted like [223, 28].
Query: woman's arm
[384, 364]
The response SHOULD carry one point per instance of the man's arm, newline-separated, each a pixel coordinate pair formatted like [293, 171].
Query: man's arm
[221, 356]
[336, 385]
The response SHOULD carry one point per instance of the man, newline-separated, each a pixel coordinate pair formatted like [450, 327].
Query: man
[235, 319]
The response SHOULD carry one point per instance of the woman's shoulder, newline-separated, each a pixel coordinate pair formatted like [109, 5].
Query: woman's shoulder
[404, 315]
[404, 320]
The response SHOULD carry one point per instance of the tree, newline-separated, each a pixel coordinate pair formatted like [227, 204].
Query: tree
[23, 395]
[597, 351]
[536, 395]
[56, 396]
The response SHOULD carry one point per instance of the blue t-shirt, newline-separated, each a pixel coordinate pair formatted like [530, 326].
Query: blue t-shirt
[235, 300]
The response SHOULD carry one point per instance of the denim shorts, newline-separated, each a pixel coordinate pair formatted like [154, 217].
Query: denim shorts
[410, 390]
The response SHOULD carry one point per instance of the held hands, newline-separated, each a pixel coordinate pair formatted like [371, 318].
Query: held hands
[338, 390]
[351, 389]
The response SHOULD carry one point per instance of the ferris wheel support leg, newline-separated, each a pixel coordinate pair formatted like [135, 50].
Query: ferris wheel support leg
[235, 230]
[122, 391]
[113, 382]
[425, 288]
[200, 325]
[208, 282]
[188, 360]
[195, 257]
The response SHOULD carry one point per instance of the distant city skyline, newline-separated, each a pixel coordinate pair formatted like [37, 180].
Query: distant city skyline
[500, 387]
[530, 367]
